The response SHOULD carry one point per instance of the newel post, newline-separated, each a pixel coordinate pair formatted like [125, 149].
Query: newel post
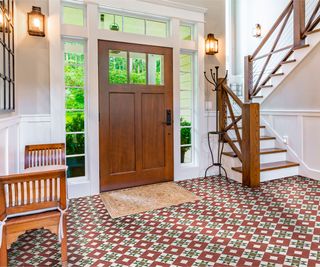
[299, 22]
[251, 145]
[248, 78]
[222, 108]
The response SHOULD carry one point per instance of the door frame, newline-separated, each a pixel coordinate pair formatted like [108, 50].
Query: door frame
[91, 33]
[104, 45]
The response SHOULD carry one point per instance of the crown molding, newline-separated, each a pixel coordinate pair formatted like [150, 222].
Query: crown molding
[170, 3]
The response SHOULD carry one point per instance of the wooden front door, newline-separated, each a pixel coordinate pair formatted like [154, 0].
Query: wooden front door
[136, 117]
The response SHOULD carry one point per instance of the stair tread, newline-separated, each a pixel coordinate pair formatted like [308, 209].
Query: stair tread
[289, 61]
[257, 96]
[240, 127]
[266, 86]
[262, 138]
[276, 74]
[263, 151]
[272, 166]
[301, 47]
[312, 32]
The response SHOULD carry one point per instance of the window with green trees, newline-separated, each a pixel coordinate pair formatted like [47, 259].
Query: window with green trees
[186, 107]
[74, 73]
[138, 72]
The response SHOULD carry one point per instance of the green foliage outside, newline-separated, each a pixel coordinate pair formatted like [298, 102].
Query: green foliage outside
[75, 144]
[74, 75]
[185, 137]
[118, 70]
[138, 73]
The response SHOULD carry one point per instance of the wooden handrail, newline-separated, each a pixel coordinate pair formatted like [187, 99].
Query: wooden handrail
[233, 95]
[273, 28]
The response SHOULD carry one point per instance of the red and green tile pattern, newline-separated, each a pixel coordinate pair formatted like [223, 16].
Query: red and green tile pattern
[277, 224]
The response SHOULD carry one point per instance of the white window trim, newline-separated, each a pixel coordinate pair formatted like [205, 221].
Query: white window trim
[90, 184]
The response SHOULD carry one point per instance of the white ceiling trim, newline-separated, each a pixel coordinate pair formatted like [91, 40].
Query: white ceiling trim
[170, 3]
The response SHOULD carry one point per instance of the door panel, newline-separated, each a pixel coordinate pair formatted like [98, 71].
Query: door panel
[153, 131]
[122, 136]
[135, 92]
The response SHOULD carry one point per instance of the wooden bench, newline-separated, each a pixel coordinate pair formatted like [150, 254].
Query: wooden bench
[32, 201]
[44, 155]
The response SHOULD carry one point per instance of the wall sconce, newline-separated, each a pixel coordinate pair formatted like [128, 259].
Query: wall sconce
[4, 18]
[212, 45]
[1, 18]
[36, 22]
[257, 31]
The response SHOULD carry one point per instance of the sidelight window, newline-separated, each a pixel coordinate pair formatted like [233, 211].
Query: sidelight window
[75, 73]
[186, 107]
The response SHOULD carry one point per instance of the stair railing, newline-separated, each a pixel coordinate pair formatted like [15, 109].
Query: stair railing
[245, 143]
[287, 34]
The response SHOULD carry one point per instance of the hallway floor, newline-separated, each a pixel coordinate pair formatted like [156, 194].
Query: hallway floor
[276, 224]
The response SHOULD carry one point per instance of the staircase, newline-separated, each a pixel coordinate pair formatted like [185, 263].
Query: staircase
[273, 159]
[293, 36]
[251, 153]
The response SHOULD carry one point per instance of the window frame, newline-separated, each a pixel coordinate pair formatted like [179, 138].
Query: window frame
[84, 110]
[7, 45]
[192, 109]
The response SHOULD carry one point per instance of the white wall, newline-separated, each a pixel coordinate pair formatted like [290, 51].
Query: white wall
[31, 62]
[15, 133]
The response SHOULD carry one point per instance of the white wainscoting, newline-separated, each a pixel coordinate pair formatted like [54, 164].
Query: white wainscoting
[18, 131]
[302, 129]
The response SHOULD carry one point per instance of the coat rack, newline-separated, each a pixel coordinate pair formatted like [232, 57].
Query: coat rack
[216, 83]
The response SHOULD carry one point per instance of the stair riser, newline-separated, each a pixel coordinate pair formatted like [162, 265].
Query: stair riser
[268, 175]
[263, 144]
[232, 133]
[277, 174]
[264, 158]
[268, 158]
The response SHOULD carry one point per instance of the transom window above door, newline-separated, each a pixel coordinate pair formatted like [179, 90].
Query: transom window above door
[135, 68]
[132, 24]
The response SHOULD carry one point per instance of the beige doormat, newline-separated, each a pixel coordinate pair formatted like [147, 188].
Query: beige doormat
[145, 198]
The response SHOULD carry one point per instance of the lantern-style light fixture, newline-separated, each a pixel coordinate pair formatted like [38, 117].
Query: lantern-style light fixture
[212, 45]
[36, 22]
[4, 18]
[257, 31]
[1, 19]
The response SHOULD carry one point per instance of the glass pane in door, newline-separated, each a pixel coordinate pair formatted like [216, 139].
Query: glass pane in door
[155, 69]
[138, 70]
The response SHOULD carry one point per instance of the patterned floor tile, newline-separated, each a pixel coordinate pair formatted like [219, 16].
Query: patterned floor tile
[276, 224]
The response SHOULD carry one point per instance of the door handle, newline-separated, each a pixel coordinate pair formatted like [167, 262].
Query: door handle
[168, 117]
